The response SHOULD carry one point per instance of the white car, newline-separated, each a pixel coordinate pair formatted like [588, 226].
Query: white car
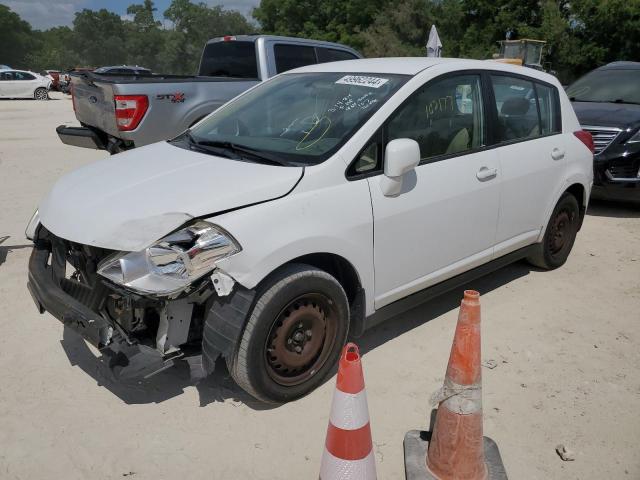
[310, 207]
[24, 84]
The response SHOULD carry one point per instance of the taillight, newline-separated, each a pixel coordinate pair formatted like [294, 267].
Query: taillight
[73, 97]
[129, 110]
[586, 138]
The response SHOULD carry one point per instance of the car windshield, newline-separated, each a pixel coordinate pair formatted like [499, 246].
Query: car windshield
[612, 85]
[299, 118]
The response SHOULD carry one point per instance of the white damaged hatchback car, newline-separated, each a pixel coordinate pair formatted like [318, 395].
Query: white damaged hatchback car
[309, 208]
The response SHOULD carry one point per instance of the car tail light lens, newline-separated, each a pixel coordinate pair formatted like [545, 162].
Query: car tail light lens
[129, 110]
[586, 138]
[73, 97]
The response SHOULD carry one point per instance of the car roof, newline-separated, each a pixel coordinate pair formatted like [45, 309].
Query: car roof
[621, 66]
[253, 38]
[17, 70]
[414, 65]
[130, 67]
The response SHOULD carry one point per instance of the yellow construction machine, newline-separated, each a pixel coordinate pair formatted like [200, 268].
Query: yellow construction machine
[526, 52]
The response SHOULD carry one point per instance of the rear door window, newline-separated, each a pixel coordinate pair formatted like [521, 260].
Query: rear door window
[289, 57]
[229, 59]
[24, 76]
[517, 108]
[7, 76]
[333, 55]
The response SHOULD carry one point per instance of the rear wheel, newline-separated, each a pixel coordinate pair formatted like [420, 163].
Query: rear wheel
[559, 236]
[293, 336]
[41, 94]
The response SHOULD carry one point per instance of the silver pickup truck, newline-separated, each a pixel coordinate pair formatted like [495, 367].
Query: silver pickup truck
[118, 112]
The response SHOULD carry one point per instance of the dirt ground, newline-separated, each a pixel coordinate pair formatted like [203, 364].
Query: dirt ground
[565, 345]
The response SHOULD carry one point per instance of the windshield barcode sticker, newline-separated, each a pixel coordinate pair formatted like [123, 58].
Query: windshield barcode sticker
[363, 81]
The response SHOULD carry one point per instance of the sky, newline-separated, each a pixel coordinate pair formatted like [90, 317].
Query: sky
[43, 14]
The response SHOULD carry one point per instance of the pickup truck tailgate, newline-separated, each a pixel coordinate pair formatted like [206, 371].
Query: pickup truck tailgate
[93, 103]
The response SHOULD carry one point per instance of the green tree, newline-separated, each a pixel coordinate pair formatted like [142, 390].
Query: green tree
[193, 25]
[16, 39]
[99, 38]
[402, 28]
[145, 39]
[53, 50]
[332, 20]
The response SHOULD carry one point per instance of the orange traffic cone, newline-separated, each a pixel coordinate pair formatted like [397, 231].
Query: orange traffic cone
[348, 452]
[456, 448]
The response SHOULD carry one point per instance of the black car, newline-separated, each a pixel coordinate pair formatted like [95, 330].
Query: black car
[607, 103]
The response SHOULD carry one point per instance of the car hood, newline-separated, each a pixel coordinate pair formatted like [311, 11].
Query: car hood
[621, 115]
[132, 199]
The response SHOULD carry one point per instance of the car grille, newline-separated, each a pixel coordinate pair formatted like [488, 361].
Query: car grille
[602, 136]
[623, 169]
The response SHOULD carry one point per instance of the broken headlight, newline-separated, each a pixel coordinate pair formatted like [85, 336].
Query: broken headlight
[172, 263]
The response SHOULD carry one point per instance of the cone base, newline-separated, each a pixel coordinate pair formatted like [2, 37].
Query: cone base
[416, 444]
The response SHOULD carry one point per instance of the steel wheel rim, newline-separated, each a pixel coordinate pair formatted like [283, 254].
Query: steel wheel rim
[301, 339]
[561, 231]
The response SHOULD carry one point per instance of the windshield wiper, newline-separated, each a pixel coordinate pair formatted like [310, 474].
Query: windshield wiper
[248, 152]
[574, 99]
[195, 145]
[621, 100]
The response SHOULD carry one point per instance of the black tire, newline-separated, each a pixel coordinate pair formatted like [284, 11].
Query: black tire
[298, 307]
[41, 93]
[559, 236]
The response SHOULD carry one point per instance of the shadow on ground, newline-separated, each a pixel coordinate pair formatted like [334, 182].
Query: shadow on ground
[219, 386]
[6, 249]
[420, 315]
[603, 208]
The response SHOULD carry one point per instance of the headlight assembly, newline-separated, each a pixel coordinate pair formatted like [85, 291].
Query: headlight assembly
[635, 138]
[173, 262]
[32, 226]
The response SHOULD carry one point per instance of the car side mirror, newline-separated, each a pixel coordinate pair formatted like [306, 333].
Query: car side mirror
[400, 157]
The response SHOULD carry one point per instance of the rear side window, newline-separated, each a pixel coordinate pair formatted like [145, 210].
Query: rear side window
[549, 109]
[6, 76]
[333, 55]
[526, 109]
[289, 57]
[229, 59]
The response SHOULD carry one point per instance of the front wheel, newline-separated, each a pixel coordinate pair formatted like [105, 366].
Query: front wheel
[294, 334]
[41, 94]
[559, 236]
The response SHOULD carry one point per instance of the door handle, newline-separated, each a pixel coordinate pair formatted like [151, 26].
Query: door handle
[557, 154]
[486, 173]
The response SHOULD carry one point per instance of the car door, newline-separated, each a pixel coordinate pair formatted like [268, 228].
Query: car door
[531, 151]
[444, 220]
[7, 84]
[25, 84]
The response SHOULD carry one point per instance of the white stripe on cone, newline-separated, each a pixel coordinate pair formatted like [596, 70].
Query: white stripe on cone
[349, 411]
[333, 468]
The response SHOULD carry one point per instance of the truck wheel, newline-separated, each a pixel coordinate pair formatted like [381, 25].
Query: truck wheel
[294, 334]
[559, 236]
[41, 94]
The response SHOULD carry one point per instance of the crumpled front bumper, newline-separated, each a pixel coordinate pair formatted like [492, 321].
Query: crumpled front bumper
[75, 305]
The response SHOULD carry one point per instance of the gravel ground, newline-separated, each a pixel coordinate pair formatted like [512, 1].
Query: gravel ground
[565, 346]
